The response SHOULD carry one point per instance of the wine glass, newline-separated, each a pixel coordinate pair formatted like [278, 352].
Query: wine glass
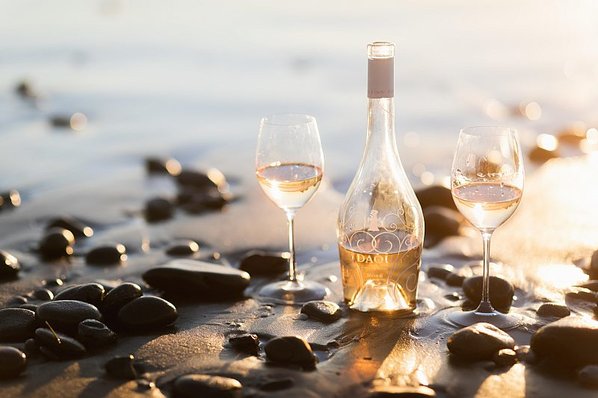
[289, 167]
[487, 184]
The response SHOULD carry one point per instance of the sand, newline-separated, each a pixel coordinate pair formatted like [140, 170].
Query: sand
[555, 225]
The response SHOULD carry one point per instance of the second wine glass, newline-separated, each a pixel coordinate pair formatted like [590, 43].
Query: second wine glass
[289, 168]
[487, 185]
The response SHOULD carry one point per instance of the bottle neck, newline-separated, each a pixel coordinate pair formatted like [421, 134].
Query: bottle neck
[381, 128]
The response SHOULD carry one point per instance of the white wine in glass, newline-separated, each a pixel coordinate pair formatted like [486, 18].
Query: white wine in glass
[487, 185]
[289, 169]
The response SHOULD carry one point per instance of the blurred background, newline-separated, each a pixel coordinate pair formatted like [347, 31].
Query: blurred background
[191, 79]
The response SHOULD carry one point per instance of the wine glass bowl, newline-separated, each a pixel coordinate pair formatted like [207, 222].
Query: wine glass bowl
[289, 169]
[487, 184]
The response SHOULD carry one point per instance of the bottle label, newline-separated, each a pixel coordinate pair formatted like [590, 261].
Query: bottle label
[381, 78]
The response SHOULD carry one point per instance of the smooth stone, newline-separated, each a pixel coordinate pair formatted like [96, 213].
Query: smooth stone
[28, 306]
[123, 367]
[93, 333]
[92, 293]
[9, 200]
[479, 341]
[541, 155]
[505, 357]
[77, 227]
[118, 297]
[291, 350]
[590, 285]
[107, 255]
[57, 243]
[582, 294]
[442, 222]
[12, 362]
[43, 294]
[258, 262]
[207, 386]
[440, 271]
[588, 376]
[200, 180]
[572, 341]
[49, 354]
[26, 90]
[194, 201]
[435, 195]
[321, 310]
[158, 209]
[31, 347]
[402, 391]
[198, 279]
[16, 324]
[455, 279]
[63, 346]
[17, 301]
[183, 248]
[147, 312]
[162, 166]
[53, 282]
[66, 314]
[248, 343]
[9, 265]
[60, 120]
[553, 310]
[501, 291]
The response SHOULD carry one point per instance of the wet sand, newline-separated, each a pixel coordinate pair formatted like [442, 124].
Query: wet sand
[555, 225]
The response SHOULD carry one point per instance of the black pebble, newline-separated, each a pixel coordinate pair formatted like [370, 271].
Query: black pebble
[248, 343]
[196, 179]
[16, 301]
[16, 324]
[61, 345]
[291, 350]
[118, 297]
[147, 312]
[26, 90]
[553, 310]
[57, 243]
[321, 310]
[501, 291]
[123, 367]
[43, 294]
[12, 362]
[9, 200]
[258, 262]
[53, 282]
[107, 255]
[66, 314]
[77, 227]
[454, 279]
[162, 166]
[93, 333]
[9, 265]
[195, 201]
[158, 209]
[440, 271]
[92, 293]
[31, 347]
[183, 248]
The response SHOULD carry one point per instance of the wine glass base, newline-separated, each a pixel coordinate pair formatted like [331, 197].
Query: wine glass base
[294, 292]
[498, 319]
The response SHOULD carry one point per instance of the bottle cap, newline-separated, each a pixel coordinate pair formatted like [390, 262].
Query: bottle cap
[381, 56]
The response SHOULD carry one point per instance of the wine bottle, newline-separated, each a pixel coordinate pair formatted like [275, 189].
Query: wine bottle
[380, 225]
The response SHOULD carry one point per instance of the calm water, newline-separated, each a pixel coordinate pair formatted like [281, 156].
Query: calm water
[192, 78]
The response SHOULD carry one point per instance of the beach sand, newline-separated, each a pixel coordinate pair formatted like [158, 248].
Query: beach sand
[554, 226]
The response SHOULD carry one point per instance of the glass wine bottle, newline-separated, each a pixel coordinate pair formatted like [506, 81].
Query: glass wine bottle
[380, 226]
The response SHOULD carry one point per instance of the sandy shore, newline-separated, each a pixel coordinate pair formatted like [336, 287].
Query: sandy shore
[555, 225]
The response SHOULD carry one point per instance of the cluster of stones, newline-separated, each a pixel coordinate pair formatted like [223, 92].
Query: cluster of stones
[571, 342]
[77, 320]
[198, 192]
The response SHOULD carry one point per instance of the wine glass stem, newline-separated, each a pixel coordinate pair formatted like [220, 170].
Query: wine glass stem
[292, 262]
[485, 305]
